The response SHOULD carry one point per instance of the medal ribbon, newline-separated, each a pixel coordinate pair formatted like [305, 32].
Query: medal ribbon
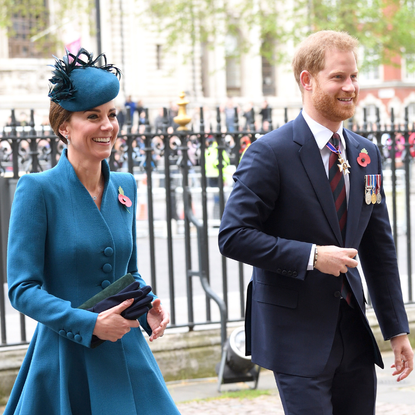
[333, 149]
[378, 183]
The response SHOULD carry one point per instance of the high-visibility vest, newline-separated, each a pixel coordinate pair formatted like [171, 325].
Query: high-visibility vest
[212, 160]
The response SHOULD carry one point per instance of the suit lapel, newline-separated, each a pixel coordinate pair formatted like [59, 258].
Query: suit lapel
[356, 192]
[311, 159]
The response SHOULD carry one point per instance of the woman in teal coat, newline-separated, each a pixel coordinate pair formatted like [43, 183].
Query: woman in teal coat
[72, 234]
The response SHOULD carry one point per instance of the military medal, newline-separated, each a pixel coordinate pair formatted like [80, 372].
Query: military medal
[378, 195]
[343, 165]
[374, 198]
[372, 189]
[368, 190]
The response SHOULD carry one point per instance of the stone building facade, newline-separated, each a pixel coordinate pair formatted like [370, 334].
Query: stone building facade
[155, 74]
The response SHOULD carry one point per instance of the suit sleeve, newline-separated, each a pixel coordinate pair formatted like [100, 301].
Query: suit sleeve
[25, 265]
[244, 235]
[377, 255]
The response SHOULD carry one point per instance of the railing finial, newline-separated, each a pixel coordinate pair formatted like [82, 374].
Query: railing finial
[182, 118]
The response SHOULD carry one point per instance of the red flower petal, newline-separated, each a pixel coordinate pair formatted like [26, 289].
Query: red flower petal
[124, 200]
[363, 159]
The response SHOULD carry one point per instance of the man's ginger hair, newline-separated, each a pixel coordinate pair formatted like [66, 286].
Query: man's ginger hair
[310, 53]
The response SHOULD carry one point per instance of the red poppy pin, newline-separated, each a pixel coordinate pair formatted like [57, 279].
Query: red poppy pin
[123, 199]
[363, 158]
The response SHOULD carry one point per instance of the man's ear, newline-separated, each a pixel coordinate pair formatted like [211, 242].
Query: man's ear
[306, 80]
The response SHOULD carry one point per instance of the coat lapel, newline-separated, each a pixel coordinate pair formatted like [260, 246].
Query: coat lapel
[311, 158]
[356, 192]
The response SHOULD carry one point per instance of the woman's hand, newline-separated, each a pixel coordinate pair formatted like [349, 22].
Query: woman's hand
[111, 325]
[157, 319]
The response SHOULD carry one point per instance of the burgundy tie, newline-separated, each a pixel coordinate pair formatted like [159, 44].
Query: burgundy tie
[339, 194]
[337, 185]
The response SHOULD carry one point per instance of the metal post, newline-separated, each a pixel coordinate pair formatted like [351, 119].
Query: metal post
[98, 17]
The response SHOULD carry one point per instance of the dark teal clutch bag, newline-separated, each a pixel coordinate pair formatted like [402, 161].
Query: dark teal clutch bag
[112, 289]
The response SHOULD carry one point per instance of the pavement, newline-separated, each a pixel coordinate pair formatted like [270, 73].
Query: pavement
[202, 396]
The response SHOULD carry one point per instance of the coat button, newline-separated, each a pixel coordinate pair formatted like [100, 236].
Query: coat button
[107, 268]
[295, 273]
[70, 335]
[105, 284]
[337, 294]
[78, 338]
[108, 251]
[284, 272]
[62, 332]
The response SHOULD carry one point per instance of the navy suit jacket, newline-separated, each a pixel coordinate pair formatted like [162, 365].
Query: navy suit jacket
[280, 205]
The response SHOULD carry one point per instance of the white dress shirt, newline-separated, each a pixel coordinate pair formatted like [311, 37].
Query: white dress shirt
[322, 135]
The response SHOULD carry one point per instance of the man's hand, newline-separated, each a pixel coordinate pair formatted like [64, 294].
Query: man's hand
[334, 260]
[111, 325]
[157, 319]
[404, 356]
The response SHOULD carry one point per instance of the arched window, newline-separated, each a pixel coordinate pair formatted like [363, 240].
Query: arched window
[371, 113]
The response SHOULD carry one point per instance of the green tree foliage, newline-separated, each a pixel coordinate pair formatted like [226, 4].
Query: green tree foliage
[36, 17]
[384, 27]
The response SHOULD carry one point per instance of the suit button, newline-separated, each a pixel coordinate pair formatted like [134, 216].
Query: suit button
[105, 284]
[70, 335]
[62, 332]
[107, 268]
[284, 272]
[279, 270]
[108, 251]
[295, 273]
[78, 338]
[337, 294]
[289, 273]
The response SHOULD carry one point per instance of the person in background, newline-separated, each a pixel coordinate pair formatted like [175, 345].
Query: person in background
[229, 111]
[245, 143]
[308, 198]
[264, 113]
[121, 118]
[173, 111]
[212, 171]
[141, 114]
[139, 106]
[130, 105]
[249, 116]
[83, 218]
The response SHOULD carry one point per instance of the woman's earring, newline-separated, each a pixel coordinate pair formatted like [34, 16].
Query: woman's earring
[67, 139]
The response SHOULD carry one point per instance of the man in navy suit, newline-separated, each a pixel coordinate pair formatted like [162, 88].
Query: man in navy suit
[305, 317]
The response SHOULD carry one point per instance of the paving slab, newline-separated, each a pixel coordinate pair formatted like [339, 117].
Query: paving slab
[394, 398]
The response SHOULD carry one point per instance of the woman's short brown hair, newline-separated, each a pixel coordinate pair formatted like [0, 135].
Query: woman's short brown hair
[57, 116]
[310, 54]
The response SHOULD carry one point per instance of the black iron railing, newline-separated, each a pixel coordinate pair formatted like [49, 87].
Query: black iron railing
[179, 211]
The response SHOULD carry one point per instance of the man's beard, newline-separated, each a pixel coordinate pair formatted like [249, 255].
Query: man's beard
[329, 106]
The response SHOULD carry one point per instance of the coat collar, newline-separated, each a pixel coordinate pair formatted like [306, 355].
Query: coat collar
[67, 169]
[356, 193]
[311, 159]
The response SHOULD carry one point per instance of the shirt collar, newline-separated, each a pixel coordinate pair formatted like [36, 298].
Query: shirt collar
[322, 134]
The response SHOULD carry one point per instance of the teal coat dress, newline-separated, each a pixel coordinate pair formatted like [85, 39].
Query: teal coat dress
[63, 250]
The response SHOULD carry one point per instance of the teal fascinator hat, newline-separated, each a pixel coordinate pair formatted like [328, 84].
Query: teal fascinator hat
[79, 84]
